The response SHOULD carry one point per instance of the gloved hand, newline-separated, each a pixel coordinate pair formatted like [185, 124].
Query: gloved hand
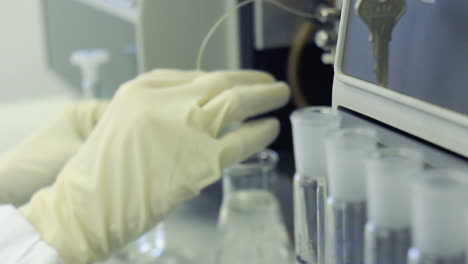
[37, 161]
[156, 146]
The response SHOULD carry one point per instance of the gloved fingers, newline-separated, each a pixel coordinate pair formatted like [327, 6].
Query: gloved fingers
[212, 84]
[84, 116]
[251, 138]
[160, 77]
[164, 78]
[242, 102]
[246, 77]
[170, 74]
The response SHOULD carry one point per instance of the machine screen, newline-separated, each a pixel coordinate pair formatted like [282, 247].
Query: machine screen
[428, 56]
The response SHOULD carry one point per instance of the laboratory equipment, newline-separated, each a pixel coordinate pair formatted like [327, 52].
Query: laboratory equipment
[269, 18]
[250, 224]
[424, 104]
[310, 125]
[438, 209]
[421, 106]
[390, 172]
[346, 151]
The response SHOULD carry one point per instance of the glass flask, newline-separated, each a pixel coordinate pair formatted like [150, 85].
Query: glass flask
[388, 232]
[151, 248]
[310, 125]
[437, 217]
[346, 151]
[250, 222]
[146, 248]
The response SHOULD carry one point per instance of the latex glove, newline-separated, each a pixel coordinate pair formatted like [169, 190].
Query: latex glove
[37, 161]
[155, 147]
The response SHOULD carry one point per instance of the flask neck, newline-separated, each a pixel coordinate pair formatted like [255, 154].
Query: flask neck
[260, 180]
[254, 174]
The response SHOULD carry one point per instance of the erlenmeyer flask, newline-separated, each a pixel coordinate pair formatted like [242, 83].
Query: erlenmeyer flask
[146, 248]
[250, 223]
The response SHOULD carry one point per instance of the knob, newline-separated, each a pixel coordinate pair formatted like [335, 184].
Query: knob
[327, 14]
[328, 57]
[326, 39]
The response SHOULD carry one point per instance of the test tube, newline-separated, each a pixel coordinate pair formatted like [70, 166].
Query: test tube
[439, 198]
[310, 125]
[346, 151]
[466, 235]
[387, 233]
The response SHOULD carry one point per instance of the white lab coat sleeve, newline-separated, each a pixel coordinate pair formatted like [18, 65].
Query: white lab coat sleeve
[19, 241]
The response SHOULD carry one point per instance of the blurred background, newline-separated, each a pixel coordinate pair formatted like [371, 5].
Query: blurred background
[23, 68]
[29, 92]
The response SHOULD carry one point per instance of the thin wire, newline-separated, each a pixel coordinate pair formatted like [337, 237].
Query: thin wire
[213, 29]
[289, 9]
[218, 23]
